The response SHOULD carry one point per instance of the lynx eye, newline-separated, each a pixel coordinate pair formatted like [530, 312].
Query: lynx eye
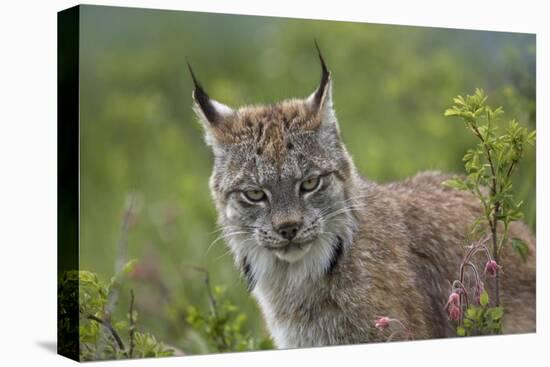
[254, 195]
[310, 184]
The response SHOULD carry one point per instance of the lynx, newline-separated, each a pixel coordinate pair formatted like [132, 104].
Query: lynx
[324, 250]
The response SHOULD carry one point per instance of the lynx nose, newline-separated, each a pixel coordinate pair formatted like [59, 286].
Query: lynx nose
[289, 230]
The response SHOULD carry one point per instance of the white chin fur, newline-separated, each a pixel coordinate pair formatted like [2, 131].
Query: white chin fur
[292, 267]
[294, 253]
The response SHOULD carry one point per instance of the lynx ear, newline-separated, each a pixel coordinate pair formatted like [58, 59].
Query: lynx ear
[210, 112]
[320, 101]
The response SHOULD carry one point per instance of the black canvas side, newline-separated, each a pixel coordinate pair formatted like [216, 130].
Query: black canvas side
[68, 23]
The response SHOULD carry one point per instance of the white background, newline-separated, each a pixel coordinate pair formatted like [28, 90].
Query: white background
[28, 181]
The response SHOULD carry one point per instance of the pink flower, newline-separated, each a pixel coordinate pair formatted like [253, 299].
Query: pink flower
[454, 312]
[454, 299]
[491, 267]
[382, 323]
[144, 270]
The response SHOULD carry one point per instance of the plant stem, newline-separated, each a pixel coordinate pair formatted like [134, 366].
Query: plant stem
[211, 298]
[493, 222]
[111, 329]
[463, 294]
[223, 343]
[132, 328]
[489, 158]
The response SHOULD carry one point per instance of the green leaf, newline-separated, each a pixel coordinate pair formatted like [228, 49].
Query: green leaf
[83, 276]
[456, 184]
[460, 331]
[532, 137]
[472, 313]
[126, 269]
[496, 313]
[484, 298]
[520, 248]
[459, 100]
[129, 266]
[451, 112]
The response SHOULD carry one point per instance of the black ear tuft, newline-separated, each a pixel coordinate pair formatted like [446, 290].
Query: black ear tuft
[325, 78]
[203, 100]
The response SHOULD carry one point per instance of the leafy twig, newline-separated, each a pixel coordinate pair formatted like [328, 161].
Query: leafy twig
[491, 165]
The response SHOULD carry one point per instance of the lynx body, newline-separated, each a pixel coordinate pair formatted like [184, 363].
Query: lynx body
[325, 251]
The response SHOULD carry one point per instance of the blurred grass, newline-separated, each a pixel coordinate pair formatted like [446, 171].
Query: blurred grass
[138, 132]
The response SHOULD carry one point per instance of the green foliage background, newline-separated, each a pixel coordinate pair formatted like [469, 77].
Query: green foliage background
[138, 132]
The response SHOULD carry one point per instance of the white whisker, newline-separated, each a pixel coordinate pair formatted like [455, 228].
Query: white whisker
[345, 209]
[224, 236]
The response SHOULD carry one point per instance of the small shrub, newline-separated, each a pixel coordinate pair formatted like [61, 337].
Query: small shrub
[489, 168]
[100, 335]
[222, 326]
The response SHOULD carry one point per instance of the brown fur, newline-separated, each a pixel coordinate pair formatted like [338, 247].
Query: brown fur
[268, 126]
[403, 259]
[400, 244]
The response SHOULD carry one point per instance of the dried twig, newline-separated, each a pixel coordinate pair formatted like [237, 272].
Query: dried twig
[122, 244]
[132, 328]
[111, 329]
[121, 259]
[213, 305]
[212, 300]
[122, 251]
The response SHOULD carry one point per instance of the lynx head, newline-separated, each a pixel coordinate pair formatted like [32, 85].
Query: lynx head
[283, 182]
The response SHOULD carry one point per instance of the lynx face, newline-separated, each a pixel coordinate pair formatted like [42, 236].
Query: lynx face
[279, 182]
[281, 201]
